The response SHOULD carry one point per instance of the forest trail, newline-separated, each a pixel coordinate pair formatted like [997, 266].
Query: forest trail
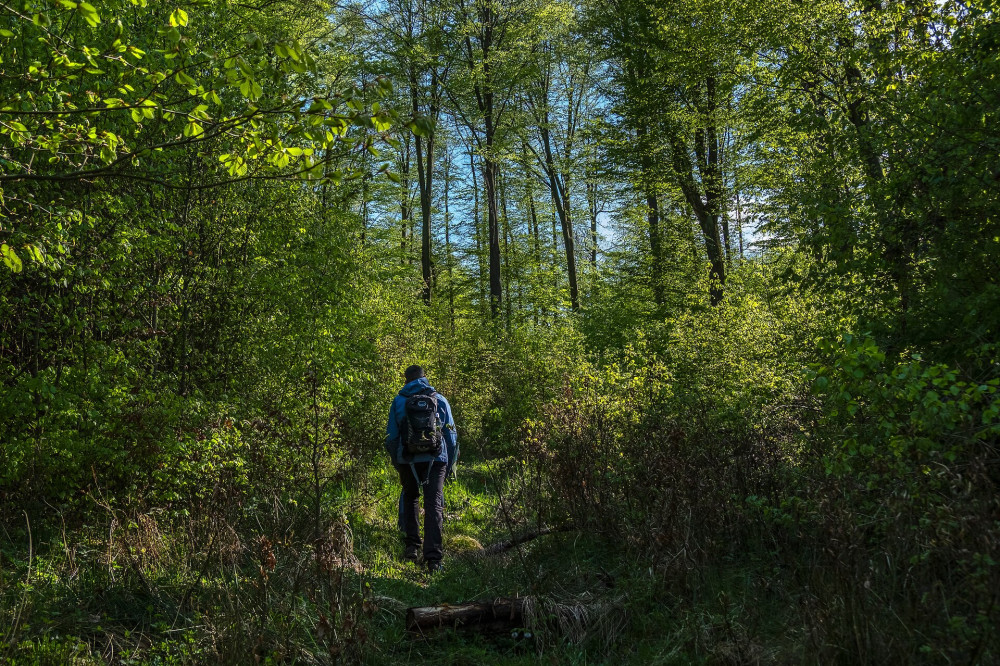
[716, 281]
[561, 566]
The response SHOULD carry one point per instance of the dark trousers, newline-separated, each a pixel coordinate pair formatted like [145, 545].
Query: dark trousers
[433, 507]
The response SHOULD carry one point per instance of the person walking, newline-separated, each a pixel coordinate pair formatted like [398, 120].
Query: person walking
[422, 442]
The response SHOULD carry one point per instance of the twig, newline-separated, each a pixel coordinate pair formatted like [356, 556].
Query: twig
[503, 546]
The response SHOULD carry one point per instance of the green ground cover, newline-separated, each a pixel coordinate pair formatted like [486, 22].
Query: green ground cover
[142, 598]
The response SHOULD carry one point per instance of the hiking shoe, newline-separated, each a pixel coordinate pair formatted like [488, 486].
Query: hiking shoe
[434, 566]
[412, 553]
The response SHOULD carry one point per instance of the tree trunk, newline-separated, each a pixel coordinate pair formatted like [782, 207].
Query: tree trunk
[425, 174]
[592, 207]
[493, 229]
[405, 204]
[529, 193]
[447, 241]
[534, 226]
[508, 247]
[655, 244]
[560, 200]
[498, 614]
[707, 204]
[476, 223]
[652, 217]
[486, 22]
[739, 218]
[425, 178]
[900, 240]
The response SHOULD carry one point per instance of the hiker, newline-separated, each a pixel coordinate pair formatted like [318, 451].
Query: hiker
[423, 444]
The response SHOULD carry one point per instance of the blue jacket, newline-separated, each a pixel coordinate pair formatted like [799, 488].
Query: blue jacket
[397, 412]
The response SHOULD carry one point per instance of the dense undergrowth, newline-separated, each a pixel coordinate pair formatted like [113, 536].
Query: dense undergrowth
[714, 302]
[771, 505]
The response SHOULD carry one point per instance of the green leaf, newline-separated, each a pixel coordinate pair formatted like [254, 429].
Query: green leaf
[35, 254]
[193, 129]
[178, 17]
[10, 258]
[89, 13]
[421, 126]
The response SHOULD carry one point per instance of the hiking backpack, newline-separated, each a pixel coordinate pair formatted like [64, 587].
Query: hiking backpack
[422, 433]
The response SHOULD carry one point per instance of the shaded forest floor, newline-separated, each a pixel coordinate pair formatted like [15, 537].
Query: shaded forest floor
[133, 593]
[596, 603]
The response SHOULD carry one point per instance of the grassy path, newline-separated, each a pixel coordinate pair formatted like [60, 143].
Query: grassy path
[470, 520]
[125, 592]
[564, 566]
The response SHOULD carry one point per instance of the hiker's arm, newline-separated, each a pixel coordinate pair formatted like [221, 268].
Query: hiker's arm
[391, 432]
[450, 435]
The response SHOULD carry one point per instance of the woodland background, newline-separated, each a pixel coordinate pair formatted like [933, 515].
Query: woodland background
[711, 286]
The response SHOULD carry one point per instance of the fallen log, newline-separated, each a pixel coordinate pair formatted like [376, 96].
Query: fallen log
[496, 615]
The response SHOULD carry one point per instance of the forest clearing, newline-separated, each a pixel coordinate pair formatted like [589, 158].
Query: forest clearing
[706, 290]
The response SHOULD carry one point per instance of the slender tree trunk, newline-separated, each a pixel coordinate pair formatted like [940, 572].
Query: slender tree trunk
[486, 22]
[555, 236]
[425, 174]
[652, 218]
[534, 226]
[560, 200]
[425, 178]
[493, 232]
[900, 240]
[706, 206]
[507, 245]
[713, 192]
[569, 238]
[447, 241]
[364, 210]
[592, 207]
[529, 193]
[405, 204]
[534, 229]
[739, 219]
[726, 243]
[490, 181]
[655, 245]
[476, 228]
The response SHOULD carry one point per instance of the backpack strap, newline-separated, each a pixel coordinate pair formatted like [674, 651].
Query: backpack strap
[413, 468]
